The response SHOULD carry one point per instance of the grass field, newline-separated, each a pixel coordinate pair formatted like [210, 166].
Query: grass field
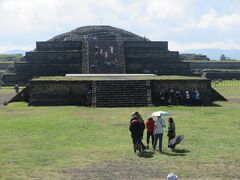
[94, 143]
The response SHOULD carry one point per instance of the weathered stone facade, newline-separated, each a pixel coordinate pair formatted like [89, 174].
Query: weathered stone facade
[112, 93]
[59, 92]
[103, 50]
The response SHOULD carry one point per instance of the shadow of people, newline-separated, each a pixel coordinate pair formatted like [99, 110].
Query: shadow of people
[146, 154]
[172, 154]
[181, 151]
[177, 152]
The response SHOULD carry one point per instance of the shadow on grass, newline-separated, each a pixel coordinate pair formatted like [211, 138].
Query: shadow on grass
[146, 154]
[213, 104]
[181, 151]
[177, 152]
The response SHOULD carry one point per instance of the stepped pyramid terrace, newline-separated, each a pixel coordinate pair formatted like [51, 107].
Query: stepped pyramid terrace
[97, 50]
[112, 67]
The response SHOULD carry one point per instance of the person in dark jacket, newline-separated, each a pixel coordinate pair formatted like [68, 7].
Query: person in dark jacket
[171, 131]
[140, 119]
[136, 133]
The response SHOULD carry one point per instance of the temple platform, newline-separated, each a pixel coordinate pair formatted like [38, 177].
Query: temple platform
[112, 90]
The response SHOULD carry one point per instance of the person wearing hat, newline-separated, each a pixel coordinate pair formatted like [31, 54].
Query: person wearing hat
[172, 176]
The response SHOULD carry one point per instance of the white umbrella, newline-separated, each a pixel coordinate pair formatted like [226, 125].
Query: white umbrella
[161, 113]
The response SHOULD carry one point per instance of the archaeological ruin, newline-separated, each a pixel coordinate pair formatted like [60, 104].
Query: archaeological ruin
[116, 59]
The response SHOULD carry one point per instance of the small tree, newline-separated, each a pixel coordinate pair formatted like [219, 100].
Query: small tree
[223, 57]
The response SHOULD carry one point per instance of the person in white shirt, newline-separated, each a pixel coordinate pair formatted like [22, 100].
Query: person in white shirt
[158, 132]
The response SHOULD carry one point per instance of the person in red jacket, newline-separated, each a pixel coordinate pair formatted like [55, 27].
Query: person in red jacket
[150, 129]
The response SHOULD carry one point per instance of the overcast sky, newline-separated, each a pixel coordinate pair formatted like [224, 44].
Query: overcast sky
[186, 24]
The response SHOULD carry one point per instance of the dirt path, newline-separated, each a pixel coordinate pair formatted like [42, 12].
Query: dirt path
[5, 97]
[234, 100]
[111, 170]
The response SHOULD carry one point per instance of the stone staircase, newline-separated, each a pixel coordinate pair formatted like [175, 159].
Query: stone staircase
[122, 93]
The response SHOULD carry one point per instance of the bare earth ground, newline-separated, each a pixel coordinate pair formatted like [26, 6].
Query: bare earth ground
[234, 100]
[111, 170]
[5, 97]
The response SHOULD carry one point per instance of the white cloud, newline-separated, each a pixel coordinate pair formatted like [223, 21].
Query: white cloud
[213, 20]
[25, 21]
[166, 8]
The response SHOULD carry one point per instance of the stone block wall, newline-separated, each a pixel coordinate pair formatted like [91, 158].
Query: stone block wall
[146, 45]
[222, 75]
[48, 59]
[217, 70]
[75, 92]
[12, 79]
[69, 57]
[59, 92]
[46, 69]
[58, 45]
[5, 66]
[153, 57]
[214, 65]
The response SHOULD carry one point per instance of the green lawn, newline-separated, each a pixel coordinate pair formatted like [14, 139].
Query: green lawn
[5, 90]
[8, 89]
[94, 143]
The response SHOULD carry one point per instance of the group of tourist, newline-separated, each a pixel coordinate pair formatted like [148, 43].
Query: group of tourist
[155, 130]
[177, 97]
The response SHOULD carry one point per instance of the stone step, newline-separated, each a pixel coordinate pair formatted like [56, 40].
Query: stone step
[122, 97]
[142, 55]
[116, 104]
[143, 50]
[121, 89]
[131, 83]
[121, 93]
[54, 56]
[122, 102]
[145, 45]
[59, 45]
[153, 64]
[124, 86]
[48, 69]
[130, 99]
[114, 92]
[121, 105]
[121, 84]
[163, 72]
